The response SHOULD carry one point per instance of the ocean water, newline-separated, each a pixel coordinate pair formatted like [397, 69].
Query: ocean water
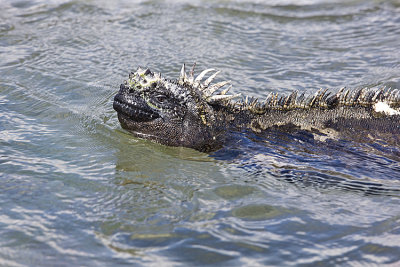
[77, 190]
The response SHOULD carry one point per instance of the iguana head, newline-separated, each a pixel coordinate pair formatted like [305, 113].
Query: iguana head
[181, 112]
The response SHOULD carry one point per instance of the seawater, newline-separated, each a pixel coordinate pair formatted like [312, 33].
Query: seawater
[78, 190]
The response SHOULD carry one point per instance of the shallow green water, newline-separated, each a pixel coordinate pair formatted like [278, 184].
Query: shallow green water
[75, 189]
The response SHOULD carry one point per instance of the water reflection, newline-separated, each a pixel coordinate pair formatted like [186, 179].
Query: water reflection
[77, 190]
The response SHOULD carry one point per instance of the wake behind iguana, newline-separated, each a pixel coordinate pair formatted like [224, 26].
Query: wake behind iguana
[197, 113]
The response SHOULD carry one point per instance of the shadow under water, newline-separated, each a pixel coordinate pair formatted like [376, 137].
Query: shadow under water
[305, 159]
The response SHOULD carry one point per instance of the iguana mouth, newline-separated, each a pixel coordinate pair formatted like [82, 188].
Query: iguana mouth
[136, 109]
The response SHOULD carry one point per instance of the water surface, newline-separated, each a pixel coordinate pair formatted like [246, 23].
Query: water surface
[78, 190]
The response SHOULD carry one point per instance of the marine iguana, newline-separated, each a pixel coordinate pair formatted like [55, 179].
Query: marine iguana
[189, 112]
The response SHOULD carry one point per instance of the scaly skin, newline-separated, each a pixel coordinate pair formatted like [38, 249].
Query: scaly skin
[187, 112]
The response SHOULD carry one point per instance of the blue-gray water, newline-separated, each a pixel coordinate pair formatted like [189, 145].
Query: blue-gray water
[75, 189]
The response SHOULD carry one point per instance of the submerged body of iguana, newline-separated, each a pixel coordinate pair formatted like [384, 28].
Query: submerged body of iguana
[187, 112]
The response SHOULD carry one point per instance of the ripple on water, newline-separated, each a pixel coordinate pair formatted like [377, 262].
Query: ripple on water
[256, 212]
[78, 190]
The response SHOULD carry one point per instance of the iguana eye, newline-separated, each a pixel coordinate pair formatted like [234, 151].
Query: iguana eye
[160, 98]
